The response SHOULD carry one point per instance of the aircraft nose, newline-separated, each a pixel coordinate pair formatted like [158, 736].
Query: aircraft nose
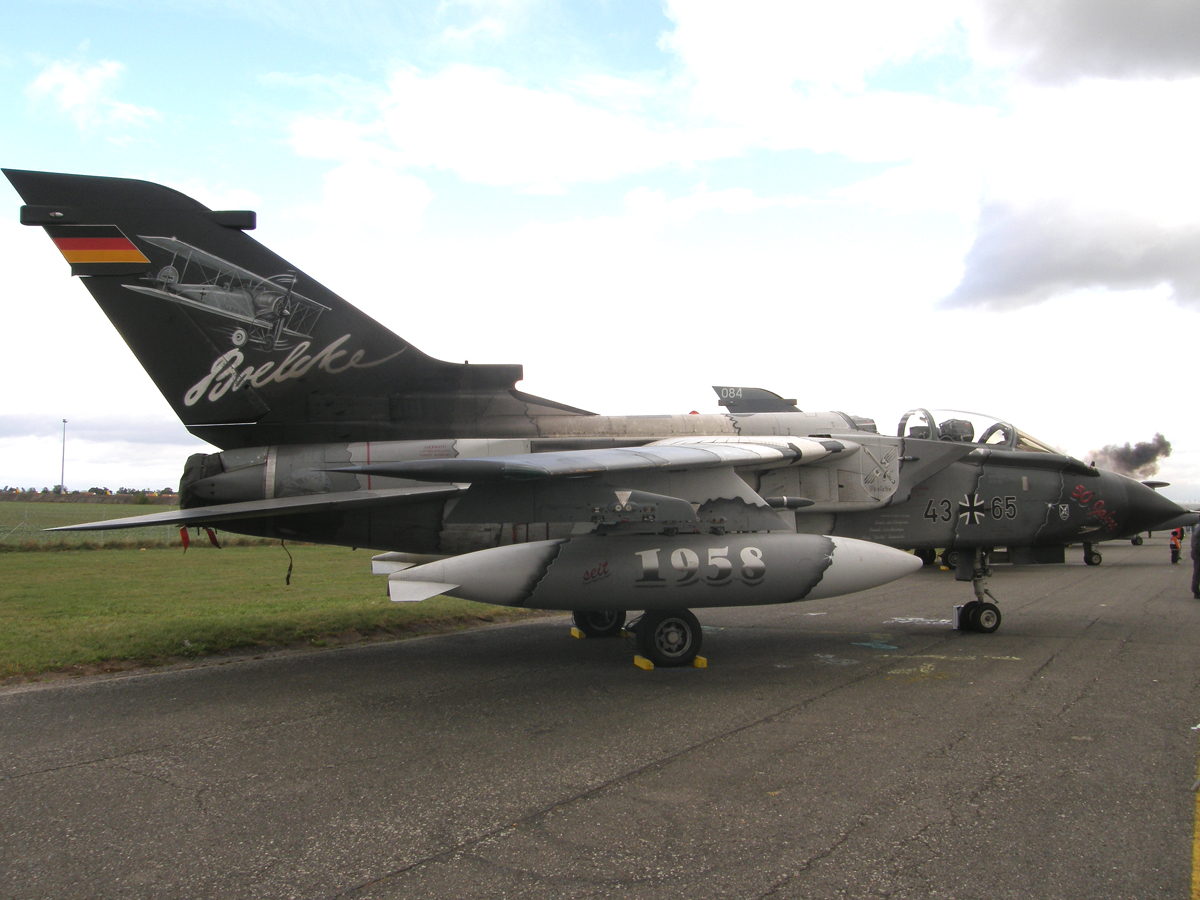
[1146, 508]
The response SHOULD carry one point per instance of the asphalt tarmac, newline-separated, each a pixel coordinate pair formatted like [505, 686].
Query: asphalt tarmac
[853, 747]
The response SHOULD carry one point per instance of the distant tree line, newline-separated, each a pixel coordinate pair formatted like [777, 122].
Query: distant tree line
[90, 492]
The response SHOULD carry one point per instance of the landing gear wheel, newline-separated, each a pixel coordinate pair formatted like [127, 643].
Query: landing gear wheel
[1092, 558]
[599, 623]
[927, 557]
[669, 637]
[966, 616]
[985, 618]
[1136, 540]
[950, 559]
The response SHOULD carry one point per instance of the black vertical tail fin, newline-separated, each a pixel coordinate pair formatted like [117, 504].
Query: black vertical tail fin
[246, 348]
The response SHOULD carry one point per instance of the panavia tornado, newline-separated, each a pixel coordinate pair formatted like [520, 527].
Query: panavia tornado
[335, 430]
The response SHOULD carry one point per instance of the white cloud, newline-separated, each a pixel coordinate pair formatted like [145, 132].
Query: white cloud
[746, 280]
[743, 84]
[774, 76]
[138, 429]
[1089, 185]
[486, 23]
[487, 129]
[362, 198]
[1025, 256]
[1059, 41]
[70, 363]
[479, 124]
[83, 92]
[37, 462]
[1117, 144]
[746, 57]
[360, 238]
[782, 76]
[486, 26]
[651, 208]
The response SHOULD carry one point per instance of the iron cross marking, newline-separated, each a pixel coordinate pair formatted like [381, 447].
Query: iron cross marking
[971, 509]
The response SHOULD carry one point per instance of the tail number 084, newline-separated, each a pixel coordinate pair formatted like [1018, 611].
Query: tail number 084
[718, 568]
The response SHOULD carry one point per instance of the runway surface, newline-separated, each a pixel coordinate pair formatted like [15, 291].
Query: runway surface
[854, 747]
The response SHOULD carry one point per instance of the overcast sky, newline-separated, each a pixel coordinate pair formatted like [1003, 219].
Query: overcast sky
[866, 206]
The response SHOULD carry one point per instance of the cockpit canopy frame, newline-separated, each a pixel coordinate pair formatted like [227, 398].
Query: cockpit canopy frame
[961, 426]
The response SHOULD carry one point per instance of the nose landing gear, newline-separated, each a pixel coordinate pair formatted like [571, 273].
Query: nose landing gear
[979, 614]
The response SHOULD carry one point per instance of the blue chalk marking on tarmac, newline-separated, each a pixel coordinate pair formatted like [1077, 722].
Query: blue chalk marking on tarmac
[875, 645]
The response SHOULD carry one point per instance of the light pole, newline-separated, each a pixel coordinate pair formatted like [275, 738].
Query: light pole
[62, 476]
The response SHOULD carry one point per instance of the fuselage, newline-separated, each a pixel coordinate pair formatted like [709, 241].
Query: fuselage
[905, 492]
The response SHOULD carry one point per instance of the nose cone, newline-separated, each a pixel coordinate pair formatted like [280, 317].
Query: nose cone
[861, 565]
[1145, 508]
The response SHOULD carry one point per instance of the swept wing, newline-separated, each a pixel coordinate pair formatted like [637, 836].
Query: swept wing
[576, 473]
[283, 506]
[667, 455]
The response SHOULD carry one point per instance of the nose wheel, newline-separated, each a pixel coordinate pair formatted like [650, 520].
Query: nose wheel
[981, 615]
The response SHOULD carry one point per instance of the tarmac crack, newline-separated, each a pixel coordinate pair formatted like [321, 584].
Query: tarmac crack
[595, 882]
[315, 716]
[630, 775]
[1053, 657]
[114, 761]
[947, 749]
[813, 860]
[1088, 686]
[85, 764]
[149, 776]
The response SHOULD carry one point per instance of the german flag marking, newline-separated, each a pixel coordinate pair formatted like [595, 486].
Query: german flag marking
[115, 255]
[95, 244]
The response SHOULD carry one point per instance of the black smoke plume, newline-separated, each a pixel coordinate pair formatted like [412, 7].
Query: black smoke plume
[1140, 459]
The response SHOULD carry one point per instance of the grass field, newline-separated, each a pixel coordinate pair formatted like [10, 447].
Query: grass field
[79, 610]
[21, 525]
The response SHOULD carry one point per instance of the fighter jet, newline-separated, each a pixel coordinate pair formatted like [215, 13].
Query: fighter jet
[335, 430]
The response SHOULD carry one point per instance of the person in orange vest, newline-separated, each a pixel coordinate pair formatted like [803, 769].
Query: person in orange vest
[1176, 544]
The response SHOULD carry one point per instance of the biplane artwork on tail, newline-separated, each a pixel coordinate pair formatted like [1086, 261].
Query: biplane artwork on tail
[263, 312]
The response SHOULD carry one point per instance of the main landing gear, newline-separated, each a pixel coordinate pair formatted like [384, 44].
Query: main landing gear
[979, 614]
[1091, 556]
[927, 557]
[600, 623]
[666, 637]
[669, 637]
